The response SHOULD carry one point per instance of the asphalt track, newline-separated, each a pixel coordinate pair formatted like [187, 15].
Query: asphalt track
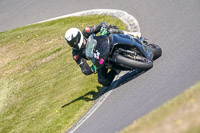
[172, 24]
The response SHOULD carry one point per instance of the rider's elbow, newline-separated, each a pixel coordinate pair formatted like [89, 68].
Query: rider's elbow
[86, 72]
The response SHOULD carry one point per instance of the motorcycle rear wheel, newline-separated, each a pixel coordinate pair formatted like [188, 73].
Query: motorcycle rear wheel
[131, 63]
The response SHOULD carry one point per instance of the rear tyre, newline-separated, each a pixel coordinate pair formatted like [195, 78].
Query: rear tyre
[130, 63]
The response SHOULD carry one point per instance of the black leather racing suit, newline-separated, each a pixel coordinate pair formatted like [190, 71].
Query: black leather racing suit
[104, 77]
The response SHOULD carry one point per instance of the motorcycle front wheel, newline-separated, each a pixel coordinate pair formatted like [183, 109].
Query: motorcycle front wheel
[156, 51]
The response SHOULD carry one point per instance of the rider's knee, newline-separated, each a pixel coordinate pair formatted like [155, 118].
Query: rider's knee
[104, 82]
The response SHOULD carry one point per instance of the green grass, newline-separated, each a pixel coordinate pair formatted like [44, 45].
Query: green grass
[41, 87]
[179, 115]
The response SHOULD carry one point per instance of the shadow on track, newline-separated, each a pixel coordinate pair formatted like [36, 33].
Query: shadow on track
[126, 78]
[102, 90]
[87, 96]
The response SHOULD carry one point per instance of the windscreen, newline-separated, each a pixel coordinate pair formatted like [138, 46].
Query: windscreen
[90, 46]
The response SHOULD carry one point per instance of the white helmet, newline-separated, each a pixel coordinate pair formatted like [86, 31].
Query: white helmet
[74, 38]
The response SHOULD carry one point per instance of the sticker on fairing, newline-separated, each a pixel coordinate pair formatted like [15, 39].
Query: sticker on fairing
[101, 61]
[96, 55]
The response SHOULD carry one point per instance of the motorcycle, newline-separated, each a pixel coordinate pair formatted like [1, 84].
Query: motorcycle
[121, 52]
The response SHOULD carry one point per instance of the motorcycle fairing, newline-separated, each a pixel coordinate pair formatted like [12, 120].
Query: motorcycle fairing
[126, 40]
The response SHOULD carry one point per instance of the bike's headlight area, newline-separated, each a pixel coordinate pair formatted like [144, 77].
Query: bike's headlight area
[97, 50]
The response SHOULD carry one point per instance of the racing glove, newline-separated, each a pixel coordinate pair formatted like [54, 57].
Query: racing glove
[93, 68]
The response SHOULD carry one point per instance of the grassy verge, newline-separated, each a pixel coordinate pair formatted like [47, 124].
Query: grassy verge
[41, 87]
[180, 115]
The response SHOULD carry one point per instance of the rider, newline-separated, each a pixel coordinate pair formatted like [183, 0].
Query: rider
[77, 40]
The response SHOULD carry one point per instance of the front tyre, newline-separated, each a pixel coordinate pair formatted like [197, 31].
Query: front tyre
[156, 51]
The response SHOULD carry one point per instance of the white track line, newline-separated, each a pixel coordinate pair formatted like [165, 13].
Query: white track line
[90, 112]
[132, 24]
[96, 105]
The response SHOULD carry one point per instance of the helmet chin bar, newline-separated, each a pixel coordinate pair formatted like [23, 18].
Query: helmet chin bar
[80, 40]
[84, 43]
